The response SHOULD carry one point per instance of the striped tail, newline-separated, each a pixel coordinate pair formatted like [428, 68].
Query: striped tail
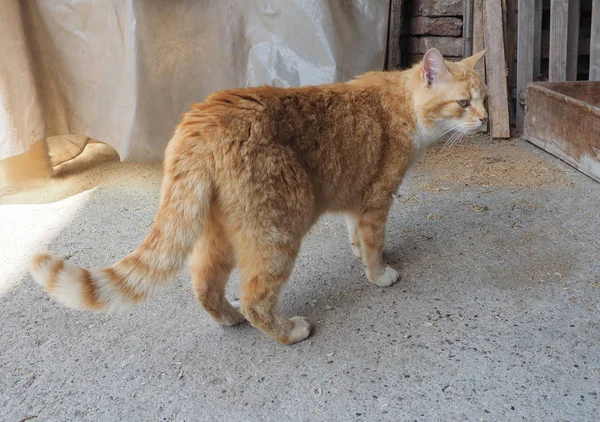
[183, 210]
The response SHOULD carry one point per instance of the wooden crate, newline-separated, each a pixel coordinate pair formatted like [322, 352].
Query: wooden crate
[563, 118]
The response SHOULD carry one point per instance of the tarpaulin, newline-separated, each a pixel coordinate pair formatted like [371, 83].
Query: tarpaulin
[123, 71]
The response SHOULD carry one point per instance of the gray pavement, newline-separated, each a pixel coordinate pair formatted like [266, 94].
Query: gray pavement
[496, 316]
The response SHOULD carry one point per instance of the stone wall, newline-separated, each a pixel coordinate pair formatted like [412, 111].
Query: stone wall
[432, 23]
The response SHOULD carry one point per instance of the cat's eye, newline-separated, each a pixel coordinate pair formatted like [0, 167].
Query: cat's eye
[464, 103]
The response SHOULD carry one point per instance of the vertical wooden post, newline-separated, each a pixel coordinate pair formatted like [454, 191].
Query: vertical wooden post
[595, 43]
[496, 69]
[478, 39]
[573, 40]
[478, 42]
[537, 37]
[393, 54]
[467, 30]
[525, 51]
[559, 18]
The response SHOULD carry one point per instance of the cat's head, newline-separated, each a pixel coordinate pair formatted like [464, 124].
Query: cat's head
[450, 96]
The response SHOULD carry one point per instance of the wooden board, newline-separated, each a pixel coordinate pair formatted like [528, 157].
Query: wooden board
[560, 120]
[393, 54]
[467, 28]
[525, 53]
[559, 19]
[478, 43]
[478, 38]
[496, 70]
[537, 39]
[573, 39]
[595, 42]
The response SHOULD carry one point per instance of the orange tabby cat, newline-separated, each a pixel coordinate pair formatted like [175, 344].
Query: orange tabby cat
[249, 171]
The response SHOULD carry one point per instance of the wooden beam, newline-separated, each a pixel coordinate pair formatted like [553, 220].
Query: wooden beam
[478, 39]
[559, 19]
[595, 43]
[573, 39]
[537, 37]
[478, 43]
[525, 53]
[467, 28]
[496, 69]
[393, 54]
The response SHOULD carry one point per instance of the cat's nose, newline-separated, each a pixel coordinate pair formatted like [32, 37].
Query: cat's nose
[483, 120]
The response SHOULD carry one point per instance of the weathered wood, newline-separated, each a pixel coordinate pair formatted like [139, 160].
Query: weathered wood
[586, 6]
[510, 49]
[559, 18]
[583, 47]
[573, 39]
[595, 42]
[525, 54]
[561, 120]
[496, 70]
[479, 43]
[394, 53]
[537, 38]
[582, 91]
[467, 28]
[478, 38]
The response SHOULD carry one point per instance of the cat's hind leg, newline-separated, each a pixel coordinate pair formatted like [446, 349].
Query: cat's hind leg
[352, 224]
[211, 264]
[265, 269]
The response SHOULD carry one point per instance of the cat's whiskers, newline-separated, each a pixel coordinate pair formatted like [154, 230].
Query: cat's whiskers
[460, 131]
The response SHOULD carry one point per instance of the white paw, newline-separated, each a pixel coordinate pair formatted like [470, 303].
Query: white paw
[356, 249]
[389, 277]
[301, 329]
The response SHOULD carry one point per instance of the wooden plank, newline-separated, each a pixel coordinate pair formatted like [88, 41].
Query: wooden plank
[537, 37]
[496, 69]
[510, 49]
[573, 39]
[393, 54]
[525, 54]
[467, 28]
[478, 43]
[561, 121]
[478, 38]
[559, 19]
[583, 46]
[595, 43]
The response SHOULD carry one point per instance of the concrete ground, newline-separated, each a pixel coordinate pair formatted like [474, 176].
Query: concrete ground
[496, 317]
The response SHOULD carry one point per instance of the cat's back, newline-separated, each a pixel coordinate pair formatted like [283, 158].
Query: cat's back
[283, 115]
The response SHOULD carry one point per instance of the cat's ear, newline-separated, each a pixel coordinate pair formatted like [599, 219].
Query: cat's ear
[434, 68]
[470, 62]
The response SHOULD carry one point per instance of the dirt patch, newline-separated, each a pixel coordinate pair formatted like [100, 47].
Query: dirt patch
[481, 162]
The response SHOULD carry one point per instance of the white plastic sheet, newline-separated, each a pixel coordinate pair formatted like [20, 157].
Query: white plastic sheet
[123, 71]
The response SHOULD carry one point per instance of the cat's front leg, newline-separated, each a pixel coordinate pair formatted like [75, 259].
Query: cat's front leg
[371, 232]
[352, 223]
